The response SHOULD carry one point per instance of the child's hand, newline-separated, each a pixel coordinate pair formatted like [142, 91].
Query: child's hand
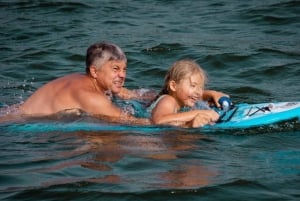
[213, 97]
[204, 117]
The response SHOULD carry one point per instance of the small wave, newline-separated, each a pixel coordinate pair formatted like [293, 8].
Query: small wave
[275, 19]
[273, 14]
[258, 75]
[222, 60]
[250, 90]
[279, 52]
[278, 70]
[67, 6]
[164, 47]
[119, 22]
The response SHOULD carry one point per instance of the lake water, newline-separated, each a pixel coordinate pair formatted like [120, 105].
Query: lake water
[250, 49]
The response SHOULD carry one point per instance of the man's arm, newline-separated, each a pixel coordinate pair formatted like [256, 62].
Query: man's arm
[100, 106]
[139, 94]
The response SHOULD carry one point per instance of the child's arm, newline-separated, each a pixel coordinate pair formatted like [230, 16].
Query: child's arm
[213, 96]
[165, 113]
[190, 119]
[204, 117]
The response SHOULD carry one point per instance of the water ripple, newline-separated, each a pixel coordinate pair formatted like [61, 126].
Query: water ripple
[250, 50]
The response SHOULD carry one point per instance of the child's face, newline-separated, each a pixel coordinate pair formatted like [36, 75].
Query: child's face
[189, 90]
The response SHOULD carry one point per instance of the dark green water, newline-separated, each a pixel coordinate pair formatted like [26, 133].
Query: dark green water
[250, 49]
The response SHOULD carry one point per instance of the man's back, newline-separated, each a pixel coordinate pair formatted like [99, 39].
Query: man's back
[57, 95]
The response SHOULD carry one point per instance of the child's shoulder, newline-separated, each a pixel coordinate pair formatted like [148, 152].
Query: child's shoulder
[164, 97]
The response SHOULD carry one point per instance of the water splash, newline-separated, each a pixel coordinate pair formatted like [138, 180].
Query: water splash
[108, 94]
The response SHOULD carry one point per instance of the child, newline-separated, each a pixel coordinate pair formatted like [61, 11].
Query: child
[183, 87]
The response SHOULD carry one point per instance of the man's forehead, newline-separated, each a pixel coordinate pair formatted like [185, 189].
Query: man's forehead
[119, 62]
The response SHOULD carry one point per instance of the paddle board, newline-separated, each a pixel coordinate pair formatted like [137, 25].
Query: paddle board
[239, 116]
[254, 115]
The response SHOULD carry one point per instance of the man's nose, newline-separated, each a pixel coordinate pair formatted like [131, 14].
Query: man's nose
[122, 74]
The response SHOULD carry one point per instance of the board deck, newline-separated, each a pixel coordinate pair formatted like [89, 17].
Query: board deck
[253, 115]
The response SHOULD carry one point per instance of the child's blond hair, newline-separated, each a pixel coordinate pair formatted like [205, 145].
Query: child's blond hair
[180, 70]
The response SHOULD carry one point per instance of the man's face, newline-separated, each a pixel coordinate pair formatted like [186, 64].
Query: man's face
[111, 76]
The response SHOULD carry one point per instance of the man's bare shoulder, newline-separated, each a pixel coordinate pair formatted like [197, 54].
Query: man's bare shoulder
[94, 101]
[71, 77]
[65, 80]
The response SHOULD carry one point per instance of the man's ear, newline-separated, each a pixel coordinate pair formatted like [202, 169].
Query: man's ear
[172, 85]
[93, 71]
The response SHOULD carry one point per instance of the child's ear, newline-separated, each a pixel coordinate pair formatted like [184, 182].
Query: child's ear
[93, 71]
[172, 85]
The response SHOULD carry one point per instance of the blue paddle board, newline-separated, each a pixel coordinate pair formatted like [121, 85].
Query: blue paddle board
[255, 115]
[239, 116]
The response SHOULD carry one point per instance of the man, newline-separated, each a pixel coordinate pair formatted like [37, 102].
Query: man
[89, 92]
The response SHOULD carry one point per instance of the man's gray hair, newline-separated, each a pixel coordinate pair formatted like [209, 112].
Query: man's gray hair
[99, 53]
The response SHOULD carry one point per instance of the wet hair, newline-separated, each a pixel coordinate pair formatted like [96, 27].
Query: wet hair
[180, 70]
[99, 53]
